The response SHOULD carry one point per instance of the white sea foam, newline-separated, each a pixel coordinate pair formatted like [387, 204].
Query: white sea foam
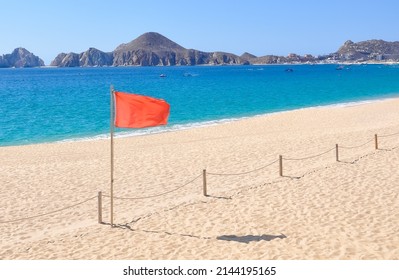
[177, 127]
[152, 130]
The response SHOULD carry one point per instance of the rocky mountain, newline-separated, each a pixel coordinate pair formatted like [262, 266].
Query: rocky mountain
[149, 49]
[20, 57]
[368, 50]
[154, 49]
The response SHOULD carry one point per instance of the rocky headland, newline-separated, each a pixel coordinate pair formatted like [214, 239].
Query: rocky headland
[371, 50]
[20, 57]
[154, 49]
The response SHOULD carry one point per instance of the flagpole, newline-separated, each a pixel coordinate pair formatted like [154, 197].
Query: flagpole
[112, 152]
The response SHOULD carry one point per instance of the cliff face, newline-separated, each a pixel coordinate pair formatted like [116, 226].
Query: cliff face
[91, 57]
[94, 57]
[20, 57]
[66, 60]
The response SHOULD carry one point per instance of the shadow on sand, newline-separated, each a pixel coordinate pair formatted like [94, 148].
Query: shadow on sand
[249, 238]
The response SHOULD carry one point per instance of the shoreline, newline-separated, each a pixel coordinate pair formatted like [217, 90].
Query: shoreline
[194, 125]
[179, 127]
[332, 62]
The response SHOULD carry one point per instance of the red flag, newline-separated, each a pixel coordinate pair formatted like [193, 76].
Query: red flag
[138, 111]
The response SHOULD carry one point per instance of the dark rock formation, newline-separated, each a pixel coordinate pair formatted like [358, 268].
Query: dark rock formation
[58, 60]
[91, 57]
[66, 60]
[94, 57]
[20, 57]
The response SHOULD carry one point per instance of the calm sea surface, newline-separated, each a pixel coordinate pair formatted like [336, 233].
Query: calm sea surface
[54, 104]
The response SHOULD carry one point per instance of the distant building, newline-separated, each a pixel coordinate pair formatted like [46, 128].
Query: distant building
[379, 57]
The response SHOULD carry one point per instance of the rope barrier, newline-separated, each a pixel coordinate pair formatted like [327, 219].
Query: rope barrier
[242, 173]
[311, 156]
[49, 213]
[355, 147]
[239, 190]
[388, 135]
[189, 182]
[156, 195]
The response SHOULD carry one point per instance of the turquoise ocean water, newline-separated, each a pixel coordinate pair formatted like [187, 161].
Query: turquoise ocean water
[62, 104]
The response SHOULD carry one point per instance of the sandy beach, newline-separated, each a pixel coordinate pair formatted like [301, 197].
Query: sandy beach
[318, 209]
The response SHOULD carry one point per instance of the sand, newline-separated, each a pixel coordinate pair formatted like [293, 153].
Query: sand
[319, 209]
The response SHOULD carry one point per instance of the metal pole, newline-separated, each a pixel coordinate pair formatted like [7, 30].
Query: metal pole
[376, 141]
[281, 165]
[112, 153]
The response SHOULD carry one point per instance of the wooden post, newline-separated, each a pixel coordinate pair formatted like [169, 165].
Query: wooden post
[100, 208]
[281, 165]
[204, 182]
[336, 152]
[376, 141]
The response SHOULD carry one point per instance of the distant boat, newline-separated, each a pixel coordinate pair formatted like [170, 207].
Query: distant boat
[289, 70]
[341, 67]
[162, 75]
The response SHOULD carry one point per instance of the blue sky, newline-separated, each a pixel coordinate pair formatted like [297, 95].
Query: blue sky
[48, 27]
